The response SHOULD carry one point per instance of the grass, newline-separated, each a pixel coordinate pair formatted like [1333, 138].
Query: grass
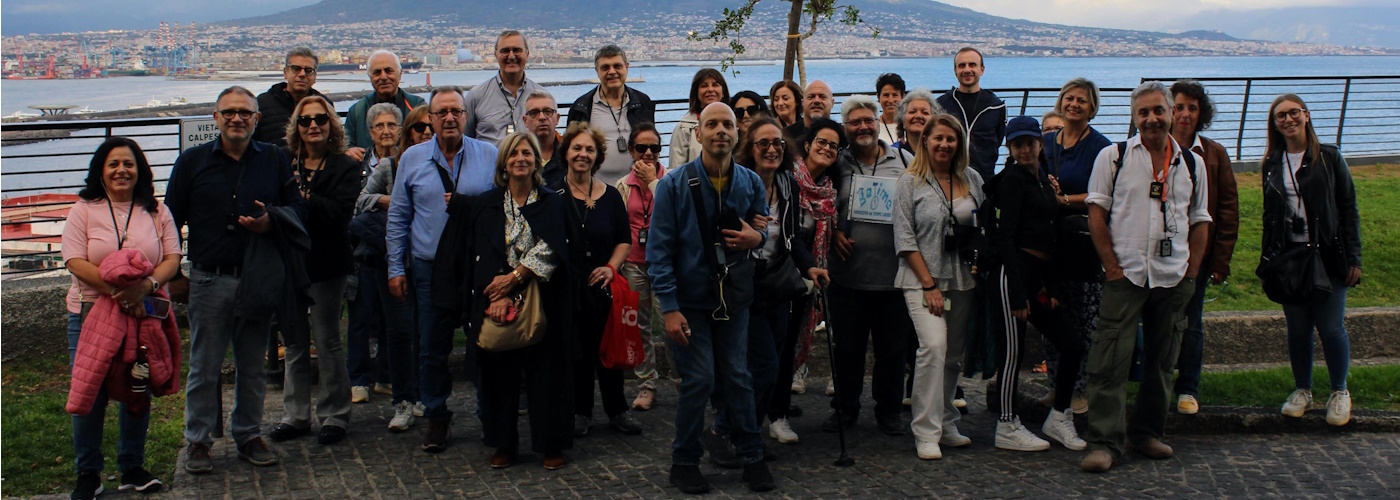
[1371, 387]
[38, 431]
[1380, 236]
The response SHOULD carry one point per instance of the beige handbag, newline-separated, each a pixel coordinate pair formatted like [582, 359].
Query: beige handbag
[525, 330]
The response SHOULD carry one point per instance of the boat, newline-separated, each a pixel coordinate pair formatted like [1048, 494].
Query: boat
[86, 111]
[20, 115]
[177, 101]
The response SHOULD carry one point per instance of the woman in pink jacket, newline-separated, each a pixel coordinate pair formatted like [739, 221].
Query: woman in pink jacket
[118, 211]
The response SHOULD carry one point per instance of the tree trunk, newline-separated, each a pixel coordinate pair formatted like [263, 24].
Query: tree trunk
[802, 68]
[794, 44]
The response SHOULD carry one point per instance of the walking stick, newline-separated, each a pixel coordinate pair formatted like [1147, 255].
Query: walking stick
[844, 460]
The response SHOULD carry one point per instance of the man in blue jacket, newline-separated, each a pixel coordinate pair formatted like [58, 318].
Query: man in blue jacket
[705, 291]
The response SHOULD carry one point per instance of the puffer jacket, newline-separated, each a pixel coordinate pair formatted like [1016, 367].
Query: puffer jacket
[107, 344]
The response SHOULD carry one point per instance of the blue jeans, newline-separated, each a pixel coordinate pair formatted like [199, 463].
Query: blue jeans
[435, 328]
[87, 429]
[395, 337]
[213, 326]
[767, 331]
[367, 322]
[717, 353]
[1193, 341]
[1326, 317]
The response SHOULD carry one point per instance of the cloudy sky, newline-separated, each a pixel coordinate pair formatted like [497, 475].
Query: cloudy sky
[1135, 14]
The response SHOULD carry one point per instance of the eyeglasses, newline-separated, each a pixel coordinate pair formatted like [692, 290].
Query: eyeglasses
[442, 114]
[863, 122]
[749, 110]
[386, 125]
[421, 127]
[320, 119]
[1294, 113]
[823, 143]
[1047, 130]
[310, 70]
[764, 144]
[642, 149]
[228, 114]
[511, 50]
[545, 112]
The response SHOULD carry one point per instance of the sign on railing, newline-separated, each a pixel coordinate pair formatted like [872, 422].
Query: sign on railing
[197, 130]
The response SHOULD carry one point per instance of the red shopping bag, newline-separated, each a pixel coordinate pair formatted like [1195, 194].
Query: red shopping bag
[622, 338]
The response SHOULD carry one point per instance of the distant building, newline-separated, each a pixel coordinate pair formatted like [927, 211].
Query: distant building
[464, 55]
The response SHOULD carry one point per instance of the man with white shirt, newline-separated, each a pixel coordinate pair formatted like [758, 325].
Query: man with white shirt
[1149, 222]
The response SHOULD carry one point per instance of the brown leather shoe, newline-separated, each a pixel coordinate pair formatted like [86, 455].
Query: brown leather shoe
[1097, 461]
[1153, 448]
[554, 461]
[502, 459]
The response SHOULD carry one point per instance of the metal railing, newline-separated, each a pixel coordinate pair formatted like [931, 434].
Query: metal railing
[1360, 113]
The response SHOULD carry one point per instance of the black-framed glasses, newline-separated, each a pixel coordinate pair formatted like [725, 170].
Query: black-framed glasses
[863, 122]
[764, 144]
[228, 114]
[1294, 113]
[320, 119]
[823, 143]
[642, 149]
[749, 110]
[421, 127]
[546, 112]
[442, 114]
[310, 70]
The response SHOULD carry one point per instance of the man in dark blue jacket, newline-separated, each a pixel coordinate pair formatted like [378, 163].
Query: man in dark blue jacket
[613, 108]
[980, 111]
[705, 291]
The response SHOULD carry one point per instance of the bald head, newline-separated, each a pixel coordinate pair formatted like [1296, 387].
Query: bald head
[716, 132]
[818, 101]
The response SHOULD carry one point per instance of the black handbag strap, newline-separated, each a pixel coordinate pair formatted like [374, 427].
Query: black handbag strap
[702, 219]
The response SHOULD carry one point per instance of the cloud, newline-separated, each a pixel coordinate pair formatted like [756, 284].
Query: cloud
[1130, 15]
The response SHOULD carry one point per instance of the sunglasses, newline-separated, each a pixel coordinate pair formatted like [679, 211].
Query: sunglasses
[749, 110]
[321, 120]
[421, 127]
[642, 149]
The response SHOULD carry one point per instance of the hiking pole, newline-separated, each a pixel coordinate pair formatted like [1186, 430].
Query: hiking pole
[844, 460]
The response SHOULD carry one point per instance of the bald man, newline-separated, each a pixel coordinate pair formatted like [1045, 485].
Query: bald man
[706, 323]
[817, 102]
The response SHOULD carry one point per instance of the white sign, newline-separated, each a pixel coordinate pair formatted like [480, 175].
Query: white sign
[872, 199]
[196, 131]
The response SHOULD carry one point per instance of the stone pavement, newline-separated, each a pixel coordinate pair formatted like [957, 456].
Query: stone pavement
[372, 463]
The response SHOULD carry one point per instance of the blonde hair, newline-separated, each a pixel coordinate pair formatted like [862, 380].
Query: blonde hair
[922, 166]
[508, 145]
[335, 140]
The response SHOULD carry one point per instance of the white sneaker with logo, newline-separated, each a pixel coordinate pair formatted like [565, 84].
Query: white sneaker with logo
[1016, 437]
[403, 417]
[1298, 403]
[1059, 427]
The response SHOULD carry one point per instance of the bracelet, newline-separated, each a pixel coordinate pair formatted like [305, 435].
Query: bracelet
[931, 288]
[516, 274]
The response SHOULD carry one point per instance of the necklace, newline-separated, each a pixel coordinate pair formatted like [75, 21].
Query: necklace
[587, 200]
[121, 235]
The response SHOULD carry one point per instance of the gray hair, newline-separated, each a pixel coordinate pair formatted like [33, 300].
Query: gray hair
[383, 108]
[610, 50]
[507, 33]
[381, 52]
[302, 52]
[1148, 88]
[858, 101]
[919, 94]
[446, 89]
[541, 94]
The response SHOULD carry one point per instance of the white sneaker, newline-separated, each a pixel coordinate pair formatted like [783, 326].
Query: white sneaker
[1016, 437]
[928, 450]
[781, 430]
[419, 409]
[359, 394]
[403, 417]
[799, 380]
[1339, 408]
[1299, 401]
[951, 437]
[821, 327]
[831, 387]
[1059, 427]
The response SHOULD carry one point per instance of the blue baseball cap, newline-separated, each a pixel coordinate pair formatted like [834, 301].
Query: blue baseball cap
[1022, 126]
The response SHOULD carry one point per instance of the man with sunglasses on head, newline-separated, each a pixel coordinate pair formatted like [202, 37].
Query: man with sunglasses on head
[221, 190]
[496, 107]
[614, 108]
[277, 103]
[450, 164]
[542, 120]
[385, 72]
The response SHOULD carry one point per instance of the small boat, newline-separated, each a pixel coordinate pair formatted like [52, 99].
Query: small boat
[177, 101]
[86, 111]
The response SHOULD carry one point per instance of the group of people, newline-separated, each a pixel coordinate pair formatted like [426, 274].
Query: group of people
[893, 228]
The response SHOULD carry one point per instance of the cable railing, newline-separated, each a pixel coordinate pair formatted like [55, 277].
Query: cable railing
[1359, 113]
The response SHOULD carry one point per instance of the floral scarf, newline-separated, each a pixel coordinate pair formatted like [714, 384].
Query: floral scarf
[818, 199]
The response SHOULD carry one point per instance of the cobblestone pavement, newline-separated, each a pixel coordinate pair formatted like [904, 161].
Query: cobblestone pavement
[372, 463]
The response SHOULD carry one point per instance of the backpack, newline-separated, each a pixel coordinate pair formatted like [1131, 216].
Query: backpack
[1186, 155]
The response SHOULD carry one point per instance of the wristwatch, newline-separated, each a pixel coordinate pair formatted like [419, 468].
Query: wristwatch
[155, 284]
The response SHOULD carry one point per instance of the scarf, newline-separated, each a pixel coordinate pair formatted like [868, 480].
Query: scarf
[818, 199]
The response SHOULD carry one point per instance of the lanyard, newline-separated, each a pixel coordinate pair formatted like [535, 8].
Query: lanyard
[1166, 173]
[508, 97]
[1298, 193]
[121, 237]
[617, 117]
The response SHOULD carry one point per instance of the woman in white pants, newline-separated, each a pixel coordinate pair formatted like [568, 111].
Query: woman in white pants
[936, 193]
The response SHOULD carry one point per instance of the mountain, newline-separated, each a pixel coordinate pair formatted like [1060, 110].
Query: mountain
[1373, 26]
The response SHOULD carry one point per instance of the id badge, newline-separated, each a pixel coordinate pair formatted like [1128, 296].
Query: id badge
[642, 236]
[1155, 191]
[1164, 248]
[510, 129]
[622, 144]
[719, 256]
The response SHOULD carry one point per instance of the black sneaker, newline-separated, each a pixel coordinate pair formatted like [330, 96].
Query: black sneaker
[90, 485]
[689, 479]
[833, 424]
[330, 434]
[141, 480]
[284, 431]
[439, 434]
[891, 425]
[757, 478]
[721, 451]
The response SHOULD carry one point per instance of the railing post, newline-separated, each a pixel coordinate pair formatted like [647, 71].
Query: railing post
[1244, 112]
[109, 132]
[1025, 96]
[1342, 117]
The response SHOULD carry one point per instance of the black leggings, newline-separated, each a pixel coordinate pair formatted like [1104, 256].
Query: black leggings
[1066, 342]
[588, 326]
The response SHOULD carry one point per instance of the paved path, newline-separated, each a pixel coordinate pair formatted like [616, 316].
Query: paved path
[372, 463]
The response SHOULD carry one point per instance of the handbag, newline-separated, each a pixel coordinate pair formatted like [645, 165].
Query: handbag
[621, 348]
[1294, 276]
[777, 282]
[526, 329]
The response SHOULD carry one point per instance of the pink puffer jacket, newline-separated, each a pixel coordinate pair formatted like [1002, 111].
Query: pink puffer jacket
[107, 344]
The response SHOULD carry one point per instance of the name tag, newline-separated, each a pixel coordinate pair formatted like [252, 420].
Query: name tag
[872, 199]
